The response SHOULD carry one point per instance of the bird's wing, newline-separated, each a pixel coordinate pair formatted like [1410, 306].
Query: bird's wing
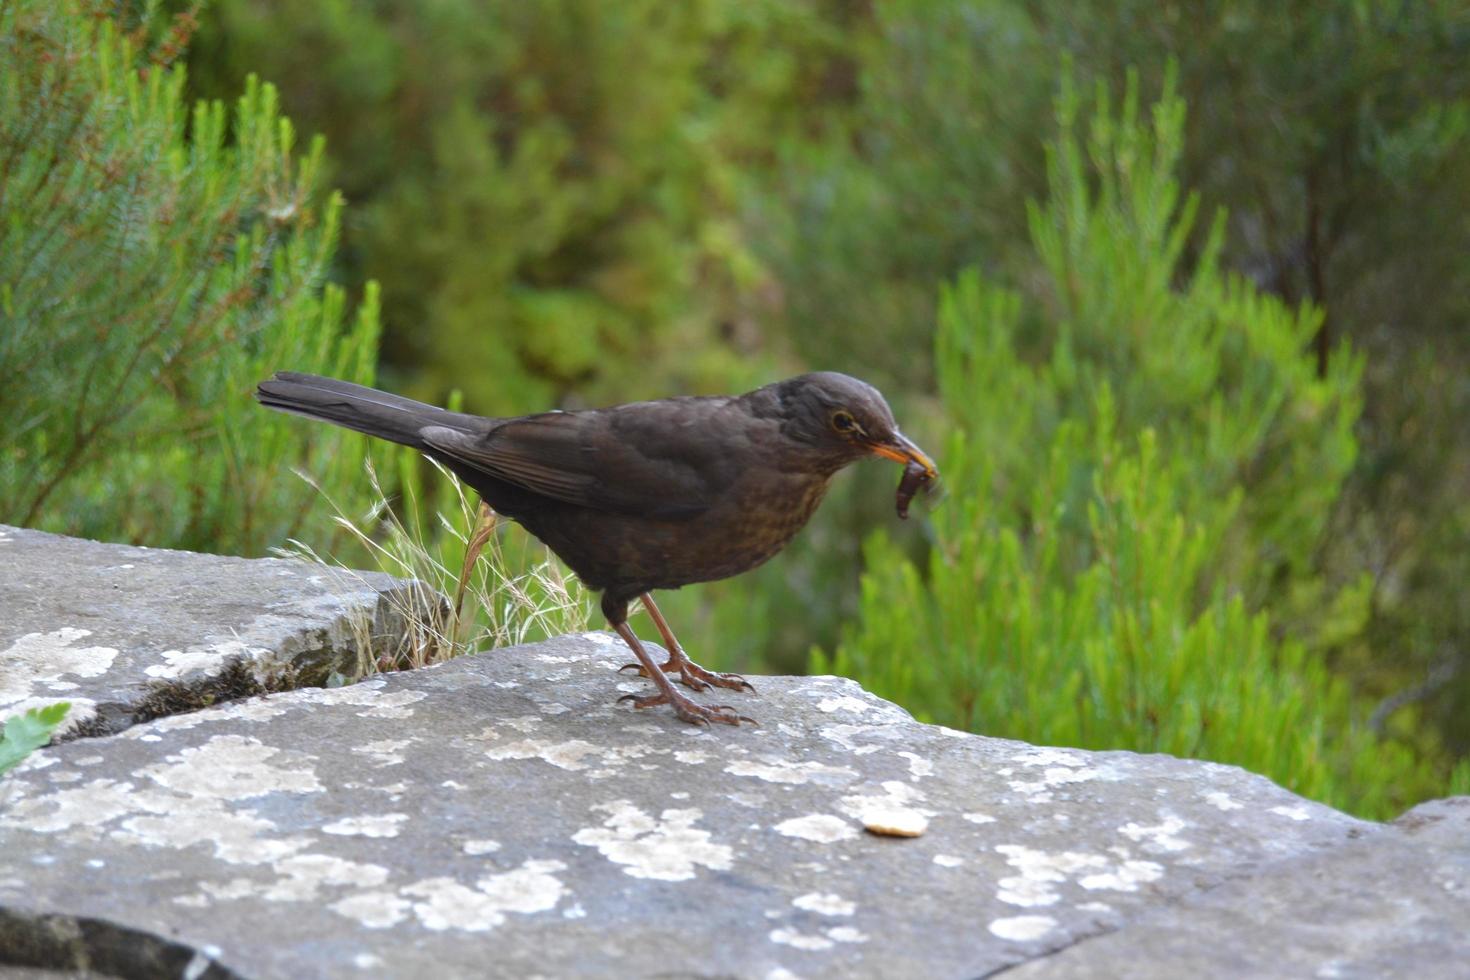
[582, 458]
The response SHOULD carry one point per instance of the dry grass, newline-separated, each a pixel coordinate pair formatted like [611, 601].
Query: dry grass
[516, 592]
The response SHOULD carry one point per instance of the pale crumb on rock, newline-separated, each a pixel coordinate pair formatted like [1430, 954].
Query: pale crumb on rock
[894, 821]
[948, 860]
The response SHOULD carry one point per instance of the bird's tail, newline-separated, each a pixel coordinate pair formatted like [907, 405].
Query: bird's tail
[351, 406]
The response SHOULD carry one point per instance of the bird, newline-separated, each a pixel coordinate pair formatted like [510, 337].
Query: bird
[647, 495]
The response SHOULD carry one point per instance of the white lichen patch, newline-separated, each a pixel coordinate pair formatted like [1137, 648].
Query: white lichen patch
[375, 910]
[477, 847]
[229, 767]
[303, 876]
[667, 849]
[1222, 801]
[1023, 928]
[1126, 877]
[251, 709]
[774, 770]
[171, 723]
[80, 807]
[1161, 837]
[1292, 812]
[824, 903]
[1041, 872]
[563, 755]
[383, 753]
[919, 767]
[978, 817]
[395, 704]
[843, 702]
[843, 735]
[42, 660]
[691, 757]
[366, 694]
[823, 828]
[847, 934]
[177, 663]
[374, 825]
[948, 860]
[179, 803]
[446, 904]
[238, 837]
[799, 940]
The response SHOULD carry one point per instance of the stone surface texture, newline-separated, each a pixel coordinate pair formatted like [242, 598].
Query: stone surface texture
[123, 632]
[501, 816]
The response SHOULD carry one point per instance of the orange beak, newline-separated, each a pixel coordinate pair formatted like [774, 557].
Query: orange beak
[901, 450]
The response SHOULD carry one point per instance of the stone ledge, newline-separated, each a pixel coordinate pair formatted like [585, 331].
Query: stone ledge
[501, 815]
[128, 633]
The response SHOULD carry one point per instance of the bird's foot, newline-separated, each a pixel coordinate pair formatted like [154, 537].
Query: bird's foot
[687, 710]
[695, 677]
[694, 674]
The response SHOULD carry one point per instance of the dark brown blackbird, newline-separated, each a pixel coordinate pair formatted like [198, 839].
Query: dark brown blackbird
[650, 495]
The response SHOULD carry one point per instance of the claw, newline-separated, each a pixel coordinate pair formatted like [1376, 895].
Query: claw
[689, 711]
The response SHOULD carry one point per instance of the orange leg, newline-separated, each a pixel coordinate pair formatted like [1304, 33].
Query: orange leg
[685, 709]
[691, 675]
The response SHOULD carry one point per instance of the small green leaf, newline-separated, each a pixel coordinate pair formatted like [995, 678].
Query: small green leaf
[28, 732]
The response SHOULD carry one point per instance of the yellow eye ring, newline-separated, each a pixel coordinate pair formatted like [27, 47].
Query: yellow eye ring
[843, 421]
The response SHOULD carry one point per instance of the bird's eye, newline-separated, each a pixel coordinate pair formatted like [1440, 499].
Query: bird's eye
[843, 422]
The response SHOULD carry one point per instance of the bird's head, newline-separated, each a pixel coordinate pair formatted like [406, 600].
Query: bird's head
[841, 420]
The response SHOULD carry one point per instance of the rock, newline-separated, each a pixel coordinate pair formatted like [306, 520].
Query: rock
[500, 815]
[1395, 903]
[127, 633]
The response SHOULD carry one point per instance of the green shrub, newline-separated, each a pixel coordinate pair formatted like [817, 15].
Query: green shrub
[154, 264]
[1142, 463]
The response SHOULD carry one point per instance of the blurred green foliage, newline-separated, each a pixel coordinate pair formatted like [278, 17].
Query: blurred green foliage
[1144, 461]
[1338, 138]
[147, 280]
[574, 202]
[548, 191]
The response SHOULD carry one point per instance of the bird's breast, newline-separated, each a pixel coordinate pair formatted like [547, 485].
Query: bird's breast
[749, 522]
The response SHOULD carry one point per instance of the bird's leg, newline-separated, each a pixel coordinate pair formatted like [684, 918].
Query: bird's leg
[692, 675]
[484, 528]
[684, 708]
